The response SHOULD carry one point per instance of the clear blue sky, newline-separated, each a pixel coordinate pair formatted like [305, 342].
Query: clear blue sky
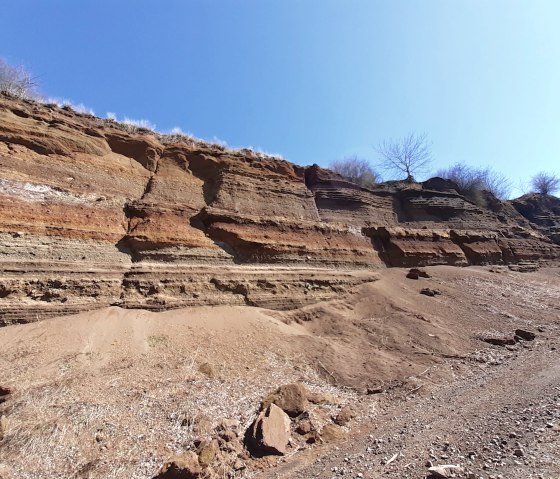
[313, 80]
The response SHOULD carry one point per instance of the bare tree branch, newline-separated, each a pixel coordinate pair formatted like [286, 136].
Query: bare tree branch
[409, 155]
[545, 183]
[472, 181]
[16, 81]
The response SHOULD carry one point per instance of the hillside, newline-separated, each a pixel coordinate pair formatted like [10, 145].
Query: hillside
[190, 311]
[94, 213]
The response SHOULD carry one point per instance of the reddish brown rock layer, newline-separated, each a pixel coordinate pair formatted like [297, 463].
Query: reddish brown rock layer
[94, 213]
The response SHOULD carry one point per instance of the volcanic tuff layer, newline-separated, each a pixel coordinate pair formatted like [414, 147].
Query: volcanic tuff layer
[96, 213]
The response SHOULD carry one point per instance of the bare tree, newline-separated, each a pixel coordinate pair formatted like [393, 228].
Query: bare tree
[472, 181]
[409, 155]
[545, 183]
[356, 170]
[16, 81]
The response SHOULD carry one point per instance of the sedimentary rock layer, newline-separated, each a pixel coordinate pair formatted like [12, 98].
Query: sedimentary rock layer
[94, 213]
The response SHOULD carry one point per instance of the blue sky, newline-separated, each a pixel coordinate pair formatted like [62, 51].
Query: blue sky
[313, 80]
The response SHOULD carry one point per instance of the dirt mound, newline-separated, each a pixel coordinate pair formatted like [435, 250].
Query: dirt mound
[90, 388]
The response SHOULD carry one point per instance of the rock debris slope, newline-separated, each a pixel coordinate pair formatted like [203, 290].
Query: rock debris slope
[96, 213]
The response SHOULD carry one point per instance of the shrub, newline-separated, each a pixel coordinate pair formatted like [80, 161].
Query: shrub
[545, 183]
[356, 170]
[16, 81]
[473, 181]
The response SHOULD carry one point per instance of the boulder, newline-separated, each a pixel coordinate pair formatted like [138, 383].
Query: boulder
[270, 433]
[331, 432]
[291, 398]
[185, 466]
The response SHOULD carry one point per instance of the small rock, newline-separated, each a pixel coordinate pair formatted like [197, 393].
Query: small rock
[518, 452]
[346, 414]
[499, 340]
[429, 291]
[443, 471]
[416, 273]
[304, 427]
[525, 335]
[185, 466]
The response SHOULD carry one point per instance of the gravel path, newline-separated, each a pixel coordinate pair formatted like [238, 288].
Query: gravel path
[496, 421]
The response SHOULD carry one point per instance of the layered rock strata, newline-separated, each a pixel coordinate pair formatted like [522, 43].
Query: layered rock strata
[96, 213]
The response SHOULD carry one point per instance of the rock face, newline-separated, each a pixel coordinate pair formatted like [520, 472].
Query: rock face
[95, 213]
[543, 211]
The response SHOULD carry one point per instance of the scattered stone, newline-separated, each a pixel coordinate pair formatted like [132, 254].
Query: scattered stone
[304, 427]
[444, 471]
[412, 275]
[375, 390]
[291, 398]
[499, 340]
[525, 335]
[185, 466]
[518, 452]
[420, 272]
[346, 414]
[270, 433]
[429, 291]
[331, 432]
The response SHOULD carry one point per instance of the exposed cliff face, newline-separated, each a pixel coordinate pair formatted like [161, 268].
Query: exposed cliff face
[92, 214]
[543, 211]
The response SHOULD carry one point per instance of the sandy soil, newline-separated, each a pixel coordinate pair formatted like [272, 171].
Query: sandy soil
[114, 393]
